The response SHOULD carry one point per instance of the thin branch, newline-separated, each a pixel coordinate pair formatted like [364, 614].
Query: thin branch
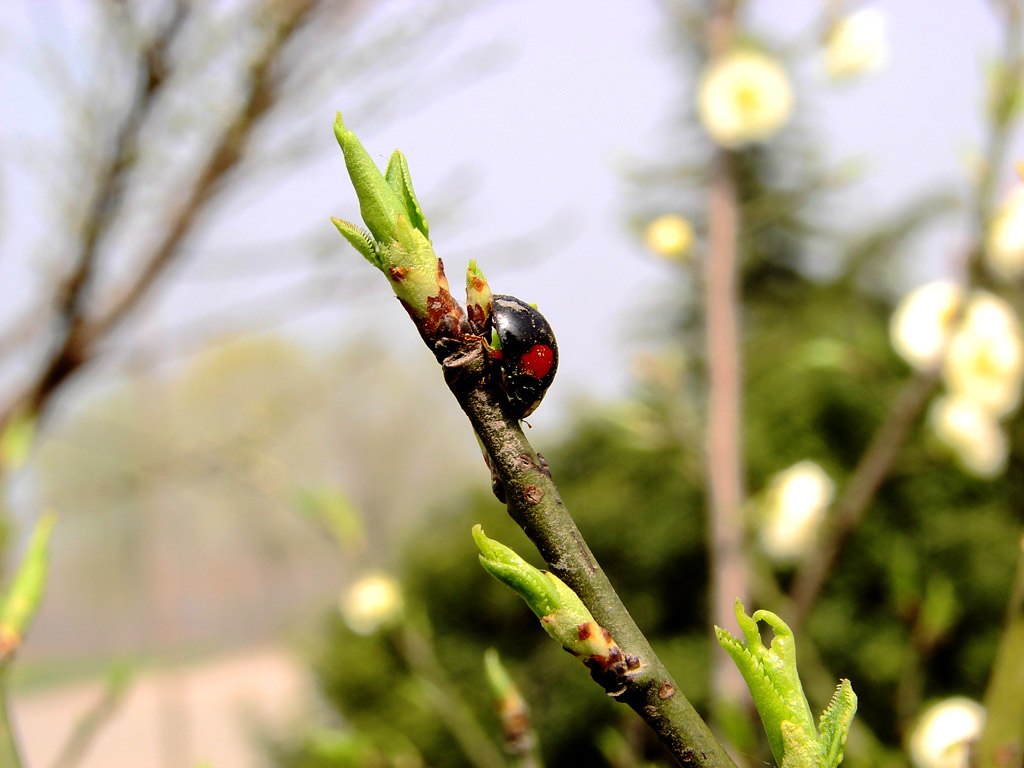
[419, 653]
[263, 94]
[10, 753]
[534, 503]
[80, 336]
[91, 723]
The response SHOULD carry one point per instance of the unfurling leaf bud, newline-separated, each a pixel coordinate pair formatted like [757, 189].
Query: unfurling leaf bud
[25, 592]
[397, 242]
[774, 683]
[478, 297]
[561, 612]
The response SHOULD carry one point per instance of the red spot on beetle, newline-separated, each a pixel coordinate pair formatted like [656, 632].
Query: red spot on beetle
[537, 361]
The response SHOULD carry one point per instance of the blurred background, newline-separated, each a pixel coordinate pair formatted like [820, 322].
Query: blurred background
[264, 491]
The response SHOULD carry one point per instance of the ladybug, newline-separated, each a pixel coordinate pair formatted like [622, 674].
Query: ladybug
[528, 353]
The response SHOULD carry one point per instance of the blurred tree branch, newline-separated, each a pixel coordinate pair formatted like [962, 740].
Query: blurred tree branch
[82, 330]
[164, 51]
[92, 720]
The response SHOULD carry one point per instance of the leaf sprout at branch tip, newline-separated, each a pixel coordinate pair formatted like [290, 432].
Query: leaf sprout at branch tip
[774, 682]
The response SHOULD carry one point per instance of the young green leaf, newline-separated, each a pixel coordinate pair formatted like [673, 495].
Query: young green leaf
[359, 239]
[25, 592]
[834, 726]
[398, 178]
[379, 206]
[478, 296]
[774, 682]
[530, 583]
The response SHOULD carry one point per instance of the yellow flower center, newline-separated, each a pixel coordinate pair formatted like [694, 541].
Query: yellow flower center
[748, 99]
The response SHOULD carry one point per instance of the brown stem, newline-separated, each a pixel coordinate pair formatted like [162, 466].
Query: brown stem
[534, 503]
[81, 336]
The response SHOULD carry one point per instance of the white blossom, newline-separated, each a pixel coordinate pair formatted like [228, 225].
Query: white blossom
[793, 509]
[372, 602]
[985, 361]
[943, 734]
[1004, 243]
[923, 322]
[669, 235]
[744, 98]
[856, 44]
[972, 433]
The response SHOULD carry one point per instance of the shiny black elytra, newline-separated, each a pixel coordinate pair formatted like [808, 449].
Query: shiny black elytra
[529, 354]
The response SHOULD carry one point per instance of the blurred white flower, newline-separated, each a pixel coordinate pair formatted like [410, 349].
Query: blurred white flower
[856, 44]
[922, 323]
[972, 433]
[985, 361]
[943, 734]
[669, 235]
[1004, 244]
[793, 510]
[372, 602]
[743, 98]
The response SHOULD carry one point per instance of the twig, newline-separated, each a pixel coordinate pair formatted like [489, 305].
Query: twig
[534, 503]
[70, 351]
[418, 651]
[92, 721]
[80, 336]
[10, 754]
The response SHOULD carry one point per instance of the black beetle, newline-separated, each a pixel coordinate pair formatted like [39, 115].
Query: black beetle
[528, 353]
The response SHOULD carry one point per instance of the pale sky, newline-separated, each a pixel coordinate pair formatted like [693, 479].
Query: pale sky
[584, 87]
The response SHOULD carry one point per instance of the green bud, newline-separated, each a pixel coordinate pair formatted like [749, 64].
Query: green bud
[360, 239]
[510, 569]
[397, 242]
[834, 726]
[379, 206]
[25, 592]
[16, 439]
[411, 266]
[398, 178]
[774, 682]
[498, 680]
[478, 296]
[560, 610]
